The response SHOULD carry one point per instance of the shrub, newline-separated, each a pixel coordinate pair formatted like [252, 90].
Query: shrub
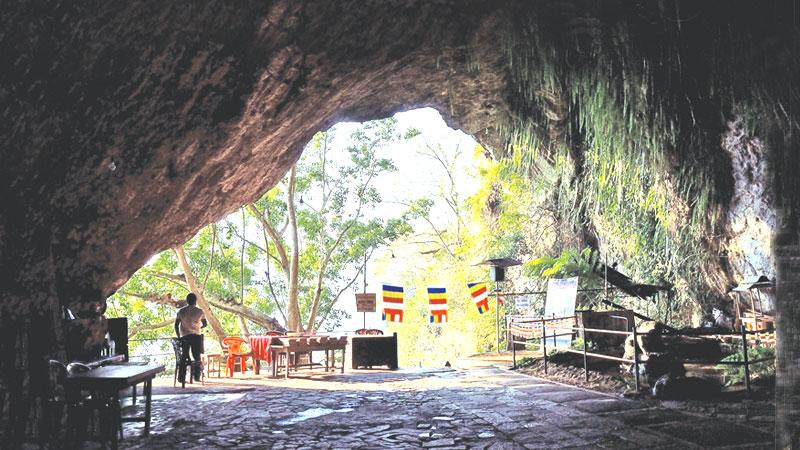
[734, 374]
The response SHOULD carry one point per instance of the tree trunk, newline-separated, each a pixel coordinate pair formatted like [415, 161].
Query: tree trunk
[201, 299]
[293, 308]
[243, 327]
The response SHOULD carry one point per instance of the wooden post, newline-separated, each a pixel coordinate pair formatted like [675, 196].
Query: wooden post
[497, 318]
[509, 338]
[544, 346]
[746, 362]
[585, 363]
[513, 353]
[635, 357]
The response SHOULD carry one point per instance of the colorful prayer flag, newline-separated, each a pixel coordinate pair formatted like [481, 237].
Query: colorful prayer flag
[526, 330]
[392, 303]
[437, 300]
[480, 295]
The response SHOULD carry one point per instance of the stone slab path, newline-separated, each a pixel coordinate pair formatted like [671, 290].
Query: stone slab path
[480, 408]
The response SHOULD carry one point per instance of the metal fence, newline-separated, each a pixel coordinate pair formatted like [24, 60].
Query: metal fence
[542, 339]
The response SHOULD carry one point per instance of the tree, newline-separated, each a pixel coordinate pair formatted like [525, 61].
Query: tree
[317, 227]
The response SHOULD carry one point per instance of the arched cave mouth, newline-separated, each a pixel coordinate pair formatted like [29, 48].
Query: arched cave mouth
[413, 166]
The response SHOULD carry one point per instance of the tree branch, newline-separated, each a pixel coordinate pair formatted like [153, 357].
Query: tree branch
[341, 291]
[250, 314]
[150, 326]
[273, 234]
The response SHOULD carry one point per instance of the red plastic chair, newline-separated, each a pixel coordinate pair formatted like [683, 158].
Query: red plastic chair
[235, 348]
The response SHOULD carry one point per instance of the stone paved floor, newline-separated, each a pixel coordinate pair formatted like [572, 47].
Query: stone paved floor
[475, 408]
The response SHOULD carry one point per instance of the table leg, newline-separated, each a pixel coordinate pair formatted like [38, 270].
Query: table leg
[148, 396]
[343, 350]
[257, 364]
[275, 359]
[115, 421]
[288, 363]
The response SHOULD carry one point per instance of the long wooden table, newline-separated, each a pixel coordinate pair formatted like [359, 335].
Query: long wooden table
[109, 380]
[295, 345]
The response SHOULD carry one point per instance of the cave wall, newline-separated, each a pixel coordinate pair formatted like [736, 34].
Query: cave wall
[127, 126]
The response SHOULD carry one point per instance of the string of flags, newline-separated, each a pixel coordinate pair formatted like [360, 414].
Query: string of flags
[394, 297]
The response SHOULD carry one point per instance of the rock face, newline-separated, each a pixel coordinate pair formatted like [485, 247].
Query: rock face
[127, 127]
[124, 131]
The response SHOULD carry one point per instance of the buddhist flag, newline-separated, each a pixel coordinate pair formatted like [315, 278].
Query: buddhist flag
[480, 295]
[392, 303]
[437, 300]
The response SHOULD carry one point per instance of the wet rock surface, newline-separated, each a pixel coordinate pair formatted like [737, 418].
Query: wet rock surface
[478, 408]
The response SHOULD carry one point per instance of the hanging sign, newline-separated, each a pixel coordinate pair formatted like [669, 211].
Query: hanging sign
[365, 302]
[522, 303]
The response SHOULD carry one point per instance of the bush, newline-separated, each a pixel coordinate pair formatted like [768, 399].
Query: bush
[526, 361]
[734, 374]
[577, 344]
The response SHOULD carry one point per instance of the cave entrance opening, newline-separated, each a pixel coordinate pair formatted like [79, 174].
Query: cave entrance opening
[364, 202]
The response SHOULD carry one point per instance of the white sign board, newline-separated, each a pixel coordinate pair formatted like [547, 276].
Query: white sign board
[561, 296]
[560, 302]
[522, 303]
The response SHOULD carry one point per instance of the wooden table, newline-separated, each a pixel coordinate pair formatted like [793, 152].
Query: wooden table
[109, 380]
[306, 344]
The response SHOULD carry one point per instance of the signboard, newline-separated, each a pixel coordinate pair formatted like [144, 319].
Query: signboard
[560, 302]
[365, 302]
[561, 296]
[522, 303]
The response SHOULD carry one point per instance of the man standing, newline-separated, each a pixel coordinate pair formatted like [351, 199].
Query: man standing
[188, 322]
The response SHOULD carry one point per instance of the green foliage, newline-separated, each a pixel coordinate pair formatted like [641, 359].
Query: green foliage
[526, 361]
[734, 374]
[570, 263]
[604, 102]
[333, 193]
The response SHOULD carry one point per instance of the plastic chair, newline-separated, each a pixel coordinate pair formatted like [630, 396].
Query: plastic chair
[235, 349]
[182, 359]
